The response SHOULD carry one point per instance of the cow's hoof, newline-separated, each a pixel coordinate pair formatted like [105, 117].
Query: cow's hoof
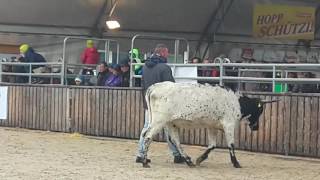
[201, 159]
[191, 165]
[145, 165]
[236, 165]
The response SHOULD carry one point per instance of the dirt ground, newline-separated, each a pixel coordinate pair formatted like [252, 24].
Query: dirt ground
[26, 154]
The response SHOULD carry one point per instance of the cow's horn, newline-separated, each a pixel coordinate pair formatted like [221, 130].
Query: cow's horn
[270, 101]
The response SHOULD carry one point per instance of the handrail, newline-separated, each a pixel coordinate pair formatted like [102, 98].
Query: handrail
[274, 68]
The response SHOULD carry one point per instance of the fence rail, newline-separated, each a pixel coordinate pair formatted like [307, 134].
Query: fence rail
[290, 126]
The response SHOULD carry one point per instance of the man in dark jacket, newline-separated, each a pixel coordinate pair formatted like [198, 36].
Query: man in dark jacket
[154, 71]
[125, 73]
[103, 74]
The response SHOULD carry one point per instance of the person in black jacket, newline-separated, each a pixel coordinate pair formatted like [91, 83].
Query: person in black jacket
[125, 73]
[103, 74]
[154, 71]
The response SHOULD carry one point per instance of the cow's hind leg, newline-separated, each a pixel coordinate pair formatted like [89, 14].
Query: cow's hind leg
[212, 137]
[229, 133]
[148, 135]
[173, 132]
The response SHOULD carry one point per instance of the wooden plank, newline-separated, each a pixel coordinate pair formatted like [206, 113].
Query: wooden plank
[293, 127]
[114, 112]
[50, 112]
[131, 114]
[280, 129]
[18, 107]
[91, 109]
[10, 121]
[43, 108]
[65, 110]
[314, 126]
[274, 126]
[300, 121]
[136, 119]
[306, 128]
[38, 106]
[127, 114]
[24, 115]
[56, 109]
[287, 124]
[124, 113]
[267, 126]
[99, 115]
[140, 107]
[73, 106]
[119, 114]
[30, 108]
[86, 111]
[318, 130]
[106, 114]
[261, 131]
[110, 114]
[243, 130]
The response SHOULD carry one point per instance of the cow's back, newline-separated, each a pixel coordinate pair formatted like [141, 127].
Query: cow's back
[194, 102]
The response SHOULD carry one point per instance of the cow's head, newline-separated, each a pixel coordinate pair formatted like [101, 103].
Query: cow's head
[252, 108]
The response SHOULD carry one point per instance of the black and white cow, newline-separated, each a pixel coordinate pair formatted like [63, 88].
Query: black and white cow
[173, 106]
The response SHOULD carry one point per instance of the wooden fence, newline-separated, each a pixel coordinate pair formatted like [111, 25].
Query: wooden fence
[290, 126]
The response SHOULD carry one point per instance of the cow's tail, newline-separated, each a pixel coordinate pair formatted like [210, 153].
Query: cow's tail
[148, 97]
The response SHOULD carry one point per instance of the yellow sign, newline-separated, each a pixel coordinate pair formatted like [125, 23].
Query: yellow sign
[279, 21]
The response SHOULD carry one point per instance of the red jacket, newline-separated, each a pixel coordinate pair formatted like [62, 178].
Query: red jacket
[90, 56]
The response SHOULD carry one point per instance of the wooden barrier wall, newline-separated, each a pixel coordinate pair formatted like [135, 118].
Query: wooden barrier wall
[290, 126]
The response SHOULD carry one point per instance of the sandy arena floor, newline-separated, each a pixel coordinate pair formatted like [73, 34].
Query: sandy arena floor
[34, 155]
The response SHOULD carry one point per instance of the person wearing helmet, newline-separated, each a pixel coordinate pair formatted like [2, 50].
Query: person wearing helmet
[28, 55]
[90, 54]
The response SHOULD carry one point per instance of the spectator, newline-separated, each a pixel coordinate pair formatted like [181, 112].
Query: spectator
[78, 81]
[102, 74]
[28, 55]
[114, 79]
[125, 74]
[90, 55]
[155, 71]
[195, 60]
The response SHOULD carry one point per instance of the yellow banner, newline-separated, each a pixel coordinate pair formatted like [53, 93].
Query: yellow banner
[278, 21]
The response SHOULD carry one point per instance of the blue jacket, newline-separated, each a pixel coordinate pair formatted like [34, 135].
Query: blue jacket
[33, 57]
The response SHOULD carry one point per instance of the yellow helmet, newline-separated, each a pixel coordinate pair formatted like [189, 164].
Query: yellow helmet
[89, 43]
[24, 48]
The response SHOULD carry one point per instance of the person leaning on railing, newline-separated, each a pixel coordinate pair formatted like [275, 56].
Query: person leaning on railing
[102, 74]
[28, 55]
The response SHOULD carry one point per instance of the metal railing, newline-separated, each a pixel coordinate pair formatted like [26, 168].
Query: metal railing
[29, 67]
[274, 68]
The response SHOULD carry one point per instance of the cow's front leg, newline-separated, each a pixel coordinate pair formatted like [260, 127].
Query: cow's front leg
[229, 133]
[173, 133]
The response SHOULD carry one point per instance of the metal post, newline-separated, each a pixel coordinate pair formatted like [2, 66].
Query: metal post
[273, 78]
[176, 50]
[63, 67]
[0, 71]
[107, 51]
[221, 74]
[239, 81]
[118, 52]
[30, 71]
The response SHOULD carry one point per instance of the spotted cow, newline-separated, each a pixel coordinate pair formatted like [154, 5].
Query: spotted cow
[176, 105]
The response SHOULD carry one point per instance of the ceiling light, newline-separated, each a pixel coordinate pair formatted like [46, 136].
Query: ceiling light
[113, 24]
